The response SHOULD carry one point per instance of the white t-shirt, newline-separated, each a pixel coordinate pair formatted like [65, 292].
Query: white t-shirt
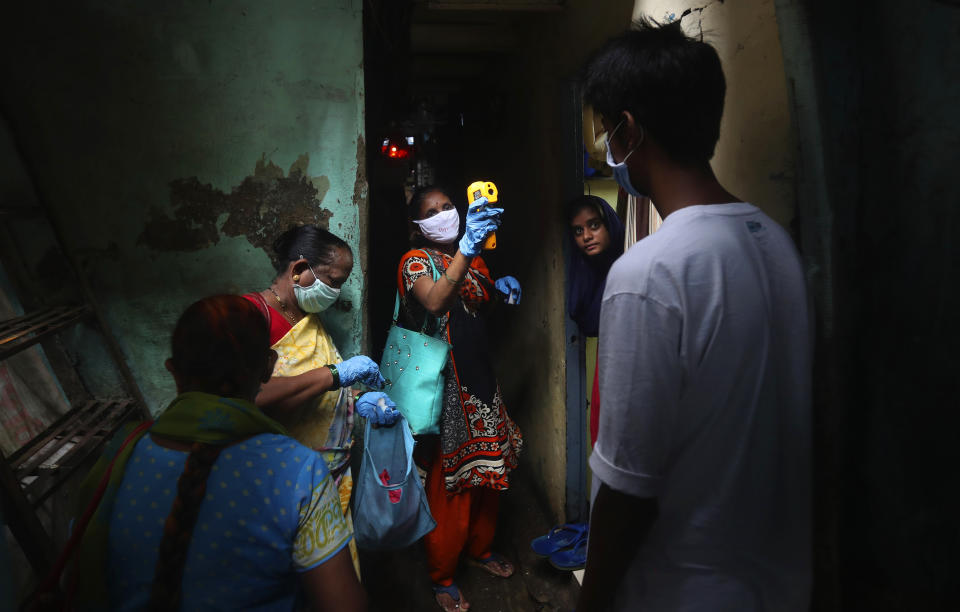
[705, 351]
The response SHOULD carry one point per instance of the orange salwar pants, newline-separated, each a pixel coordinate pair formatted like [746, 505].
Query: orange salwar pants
[465, 521]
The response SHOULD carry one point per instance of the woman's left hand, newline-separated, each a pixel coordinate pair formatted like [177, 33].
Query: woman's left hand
[511, 287]
[378, 408]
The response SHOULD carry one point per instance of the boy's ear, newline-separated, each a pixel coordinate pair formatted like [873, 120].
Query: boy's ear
[633, 132]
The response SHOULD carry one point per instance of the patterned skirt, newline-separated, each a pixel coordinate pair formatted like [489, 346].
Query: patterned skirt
[480, 443]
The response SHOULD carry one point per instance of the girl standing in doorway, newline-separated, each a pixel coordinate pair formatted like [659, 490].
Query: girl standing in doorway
[597, 236]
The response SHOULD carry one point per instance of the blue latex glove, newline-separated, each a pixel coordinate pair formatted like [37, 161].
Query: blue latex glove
[360, 369]
[511, 287]
[482, 220]
[378, 408]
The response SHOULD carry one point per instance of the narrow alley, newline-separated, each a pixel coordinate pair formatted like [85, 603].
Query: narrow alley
[542, 192]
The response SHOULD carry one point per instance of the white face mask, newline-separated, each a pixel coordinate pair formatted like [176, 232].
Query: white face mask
[442, 227]
[317, 297]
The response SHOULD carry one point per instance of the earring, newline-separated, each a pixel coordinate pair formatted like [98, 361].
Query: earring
[296, 277]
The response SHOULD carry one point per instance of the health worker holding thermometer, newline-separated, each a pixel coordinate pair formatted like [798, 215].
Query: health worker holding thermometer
[469, 462]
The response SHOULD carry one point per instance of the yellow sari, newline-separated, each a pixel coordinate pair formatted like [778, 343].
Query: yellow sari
[323, 423]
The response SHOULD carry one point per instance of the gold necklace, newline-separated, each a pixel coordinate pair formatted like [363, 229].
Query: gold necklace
[283, 307]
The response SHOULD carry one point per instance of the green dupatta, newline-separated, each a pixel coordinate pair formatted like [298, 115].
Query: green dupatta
[191, 417]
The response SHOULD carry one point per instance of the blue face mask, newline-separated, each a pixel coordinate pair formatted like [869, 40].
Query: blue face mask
[317, 297]
[621, 173]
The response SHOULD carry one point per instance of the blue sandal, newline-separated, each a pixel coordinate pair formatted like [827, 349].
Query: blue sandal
[559, 538]
[452, 590]
[487, 564]
[571, 558]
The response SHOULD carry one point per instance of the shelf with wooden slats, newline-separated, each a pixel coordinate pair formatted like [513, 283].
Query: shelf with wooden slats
[20, 332]
[48, 460]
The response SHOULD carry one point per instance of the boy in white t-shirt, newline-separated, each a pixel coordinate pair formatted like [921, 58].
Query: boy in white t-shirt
[705, 348]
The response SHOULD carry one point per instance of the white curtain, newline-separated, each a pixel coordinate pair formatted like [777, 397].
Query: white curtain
[631, 222]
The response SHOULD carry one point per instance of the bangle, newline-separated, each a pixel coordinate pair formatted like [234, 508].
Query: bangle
[450, 280]
[336, 374]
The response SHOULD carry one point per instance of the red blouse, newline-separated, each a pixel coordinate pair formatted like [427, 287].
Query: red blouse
[279, 326]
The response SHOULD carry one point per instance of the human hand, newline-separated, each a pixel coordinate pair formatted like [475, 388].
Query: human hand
[360, 369]
[378, 408]
[482, 220]
[510, 286]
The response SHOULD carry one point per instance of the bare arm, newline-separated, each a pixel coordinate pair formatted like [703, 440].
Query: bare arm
[614, 542]
[437, 297]
[282, 394]
[333, 586]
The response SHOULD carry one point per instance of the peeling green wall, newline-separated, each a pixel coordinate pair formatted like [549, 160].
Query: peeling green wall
[176, 140]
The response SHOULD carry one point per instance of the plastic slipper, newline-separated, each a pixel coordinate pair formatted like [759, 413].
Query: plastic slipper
[453, 591]
[571, 558]
[559, 538]
[485, 562]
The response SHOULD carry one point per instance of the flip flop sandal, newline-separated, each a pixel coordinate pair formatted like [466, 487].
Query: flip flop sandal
[559, 538]
[452, 590]
[484, 563]
[571, 558]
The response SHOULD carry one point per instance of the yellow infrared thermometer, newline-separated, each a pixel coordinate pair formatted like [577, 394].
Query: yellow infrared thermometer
[484, 189]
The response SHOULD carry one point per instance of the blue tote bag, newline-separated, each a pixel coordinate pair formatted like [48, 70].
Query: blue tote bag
[390, 508]
[413, 364]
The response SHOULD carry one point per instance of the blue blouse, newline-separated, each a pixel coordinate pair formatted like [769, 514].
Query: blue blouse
[271, 510]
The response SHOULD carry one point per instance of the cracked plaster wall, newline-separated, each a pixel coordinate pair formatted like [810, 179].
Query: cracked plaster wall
[176, 140]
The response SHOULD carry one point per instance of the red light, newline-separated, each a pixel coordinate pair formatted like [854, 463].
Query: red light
[394, 150]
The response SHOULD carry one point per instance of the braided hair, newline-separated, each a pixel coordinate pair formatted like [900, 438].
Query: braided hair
[220, 346]
[166, 592]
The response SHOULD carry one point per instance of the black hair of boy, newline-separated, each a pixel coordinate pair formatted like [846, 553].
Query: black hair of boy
[672, 84]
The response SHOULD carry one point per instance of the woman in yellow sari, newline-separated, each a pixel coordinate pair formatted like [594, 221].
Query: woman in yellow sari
[309, 392]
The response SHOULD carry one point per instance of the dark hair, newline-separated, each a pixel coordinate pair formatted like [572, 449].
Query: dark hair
[219, 343]
[587, 201]
[316, 245]
[672, 84]
[166, 592]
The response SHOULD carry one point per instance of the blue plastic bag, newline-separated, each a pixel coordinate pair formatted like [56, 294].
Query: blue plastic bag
[390, 508]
